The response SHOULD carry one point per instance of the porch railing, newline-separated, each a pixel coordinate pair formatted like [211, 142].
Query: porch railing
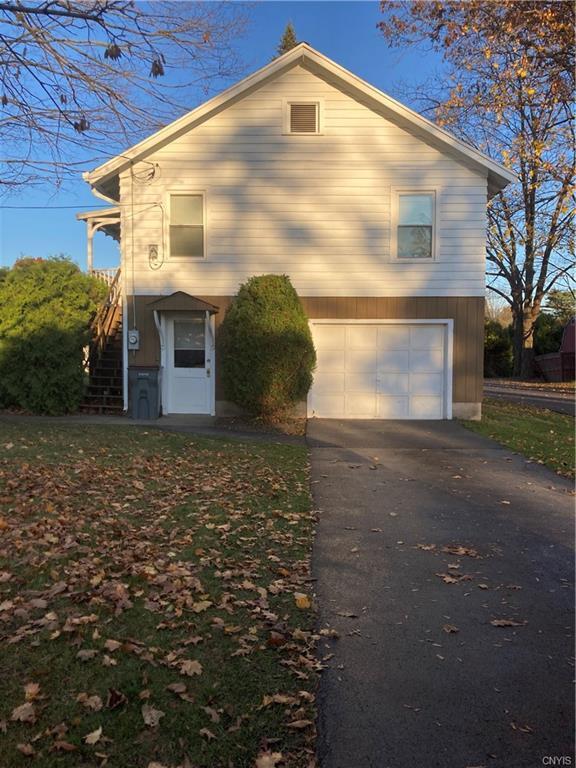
[106, 275]
[105, 320]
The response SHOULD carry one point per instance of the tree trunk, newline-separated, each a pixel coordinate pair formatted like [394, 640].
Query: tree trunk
[523, 342]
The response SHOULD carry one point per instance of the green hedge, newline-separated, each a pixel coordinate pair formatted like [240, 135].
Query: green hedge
[45, 312]
[266, 355]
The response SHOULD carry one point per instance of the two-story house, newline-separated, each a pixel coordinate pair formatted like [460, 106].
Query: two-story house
[377, 215]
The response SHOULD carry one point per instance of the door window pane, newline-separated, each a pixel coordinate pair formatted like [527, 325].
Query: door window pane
[189, 343]
[187, 226]
[415, 226]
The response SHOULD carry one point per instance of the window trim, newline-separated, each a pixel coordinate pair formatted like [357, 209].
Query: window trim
[287, 103]
[395, 193]
[170, 193]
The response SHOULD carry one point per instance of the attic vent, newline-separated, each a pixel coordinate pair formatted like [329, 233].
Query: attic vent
[303, 118]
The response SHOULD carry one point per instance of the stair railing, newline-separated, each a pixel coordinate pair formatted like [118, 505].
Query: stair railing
[105, 320]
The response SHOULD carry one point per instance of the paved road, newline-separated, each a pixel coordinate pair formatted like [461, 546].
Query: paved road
[554, 401]
[400, 691]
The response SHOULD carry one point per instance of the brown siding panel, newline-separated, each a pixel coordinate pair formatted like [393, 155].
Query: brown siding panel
[467, 313]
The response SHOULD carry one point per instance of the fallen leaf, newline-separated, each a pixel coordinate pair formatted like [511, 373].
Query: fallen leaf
[63, 746]
[302, 600]
[26, 749]
[112, 645]
[31, 691]
[506, 623]
[115, 699]
[86, 655]
[25, 713]
[94, 737]
[450, 629]
[299, 724]
[90, 702]
[190, 667]
[268, 759]
[347, 614]
[151, 716]
[207, 734]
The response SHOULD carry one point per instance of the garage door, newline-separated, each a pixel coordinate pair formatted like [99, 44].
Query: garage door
[379, 371]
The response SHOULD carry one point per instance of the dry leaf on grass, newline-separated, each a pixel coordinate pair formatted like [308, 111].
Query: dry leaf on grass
[24, 713]
[207, 734]
[190, 667]
[268, 759]
[299, 724]
[26, 749]
[94, 737]
[151, 716]
[31, 691]
[90, 702]
[302, 600]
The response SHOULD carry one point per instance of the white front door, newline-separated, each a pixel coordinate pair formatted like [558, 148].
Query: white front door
[189, 364]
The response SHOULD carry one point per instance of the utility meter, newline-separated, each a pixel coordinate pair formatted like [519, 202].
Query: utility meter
[133, 339]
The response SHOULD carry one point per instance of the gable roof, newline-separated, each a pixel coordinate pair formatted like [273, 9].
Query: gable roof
[182, 302]
[104, 178]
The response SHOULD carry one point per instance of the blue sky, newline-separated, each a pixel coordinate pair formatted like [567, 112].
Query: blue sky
[344, 31]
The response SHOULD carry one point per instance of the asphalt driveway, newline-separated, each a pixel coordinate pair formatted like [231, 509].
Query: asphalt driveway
[430, 538]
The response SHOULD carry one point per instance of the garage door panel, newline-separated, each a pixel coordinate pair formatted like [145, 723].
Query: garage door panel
[426, 336]
[393, 384]
[390, 407]
[422, 407]
[361, 361]
[326, 383]
[426, 383]
[362, 336]
[361, 405]
[424, 360]
[328, 406]
[393, 361]
[393, 337]
[360, 382]
[330, 337]
[329, 360]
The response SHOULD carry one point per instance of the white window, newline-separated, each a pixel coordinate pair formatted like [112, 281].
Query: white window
[302, 117]
[186, 230]
[413, 224]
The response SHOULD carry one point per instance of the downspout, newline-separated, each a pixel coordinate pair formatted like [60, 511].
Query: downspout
[160, 330]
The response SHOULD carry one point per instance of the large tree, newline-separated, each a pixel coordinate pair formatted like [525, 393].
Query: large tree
[82, 79]
[287, 41]
[508, 90]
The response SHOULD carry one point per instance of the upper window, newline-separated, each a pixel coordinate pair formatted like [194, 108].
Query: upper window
[304, 117]
[187, 226]
[415, 225]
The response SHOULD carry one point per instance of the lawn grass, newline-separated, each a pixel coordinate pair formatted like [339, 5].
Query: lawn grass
[539, 434]
[173, 561]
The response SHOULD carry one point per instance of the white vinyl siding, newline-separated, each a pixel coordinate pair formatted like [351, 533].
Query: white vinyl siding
[319, 211]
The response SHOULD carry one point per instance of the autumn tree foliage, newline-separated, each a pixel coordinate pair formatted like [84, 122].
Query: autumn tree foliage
[509, 91]
[76, 77]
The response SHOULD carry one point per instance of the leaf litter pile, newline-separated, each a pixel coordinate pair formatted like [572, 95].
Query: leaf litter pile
[154, 601]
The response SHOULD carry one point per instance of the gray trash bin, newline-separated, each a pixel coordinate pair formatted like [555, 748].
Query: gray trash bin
[144, 393]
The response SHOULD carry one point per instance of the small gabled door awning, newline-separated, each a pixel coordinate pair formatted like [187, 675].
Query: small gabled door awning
[182, 302]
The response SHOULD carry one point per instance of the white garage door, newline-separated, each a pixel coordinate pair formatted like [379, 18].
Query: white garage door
[379, 371]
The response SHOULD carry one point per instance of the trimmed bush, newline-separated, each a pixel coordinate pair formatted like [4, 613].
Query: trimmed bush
[266, 350]
[45, 311]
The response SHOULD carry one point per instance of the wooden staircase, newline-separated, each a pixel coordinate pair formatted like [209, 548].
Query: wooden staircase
[103, 360]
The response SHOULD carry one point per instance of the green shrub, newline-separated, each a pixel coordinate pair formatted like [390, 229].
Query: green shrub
[267, 355]
[548, 331]
[497, 350]
[45, 311]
